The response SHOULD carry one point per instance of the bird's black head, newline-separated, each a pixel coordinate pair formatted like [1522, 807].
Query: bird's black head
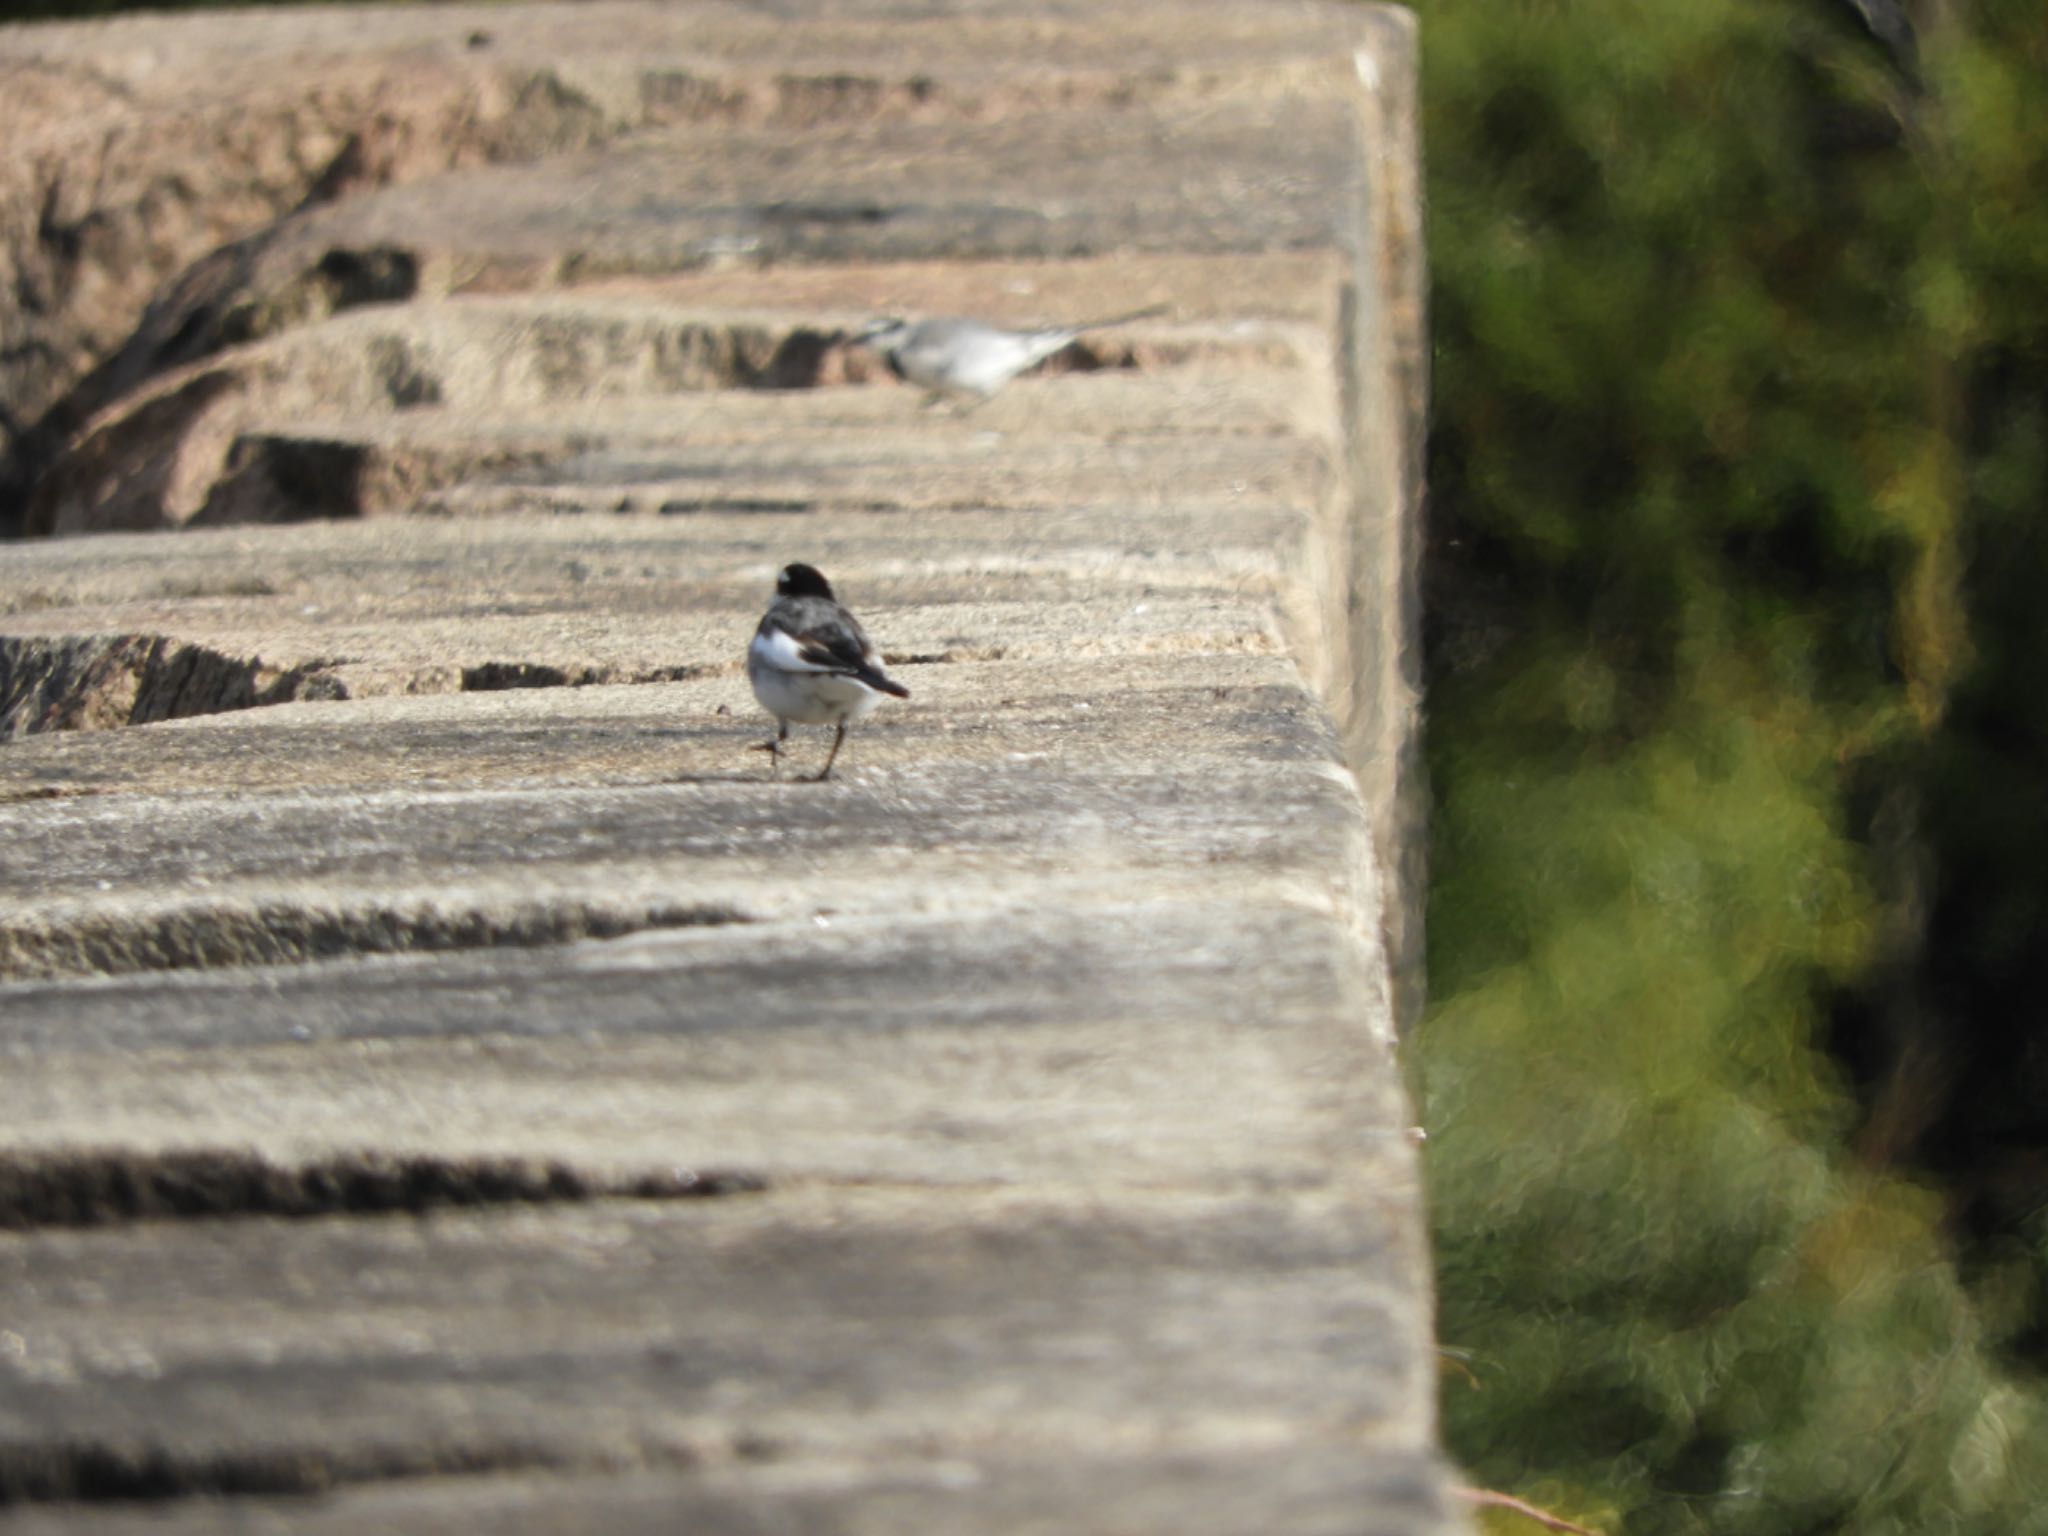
[802, 581]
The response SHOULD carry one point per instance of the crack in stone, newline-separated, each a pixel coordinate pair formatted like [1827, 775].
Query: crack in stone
[103, 682]
[99, 1472]
[494, 676]
[98, 1187]
[209, 937]
[95, 682]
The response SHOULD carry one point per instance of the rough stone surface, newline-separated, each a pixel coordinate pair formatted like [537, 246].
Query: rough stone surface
[1335, 1489]
[449, 1084]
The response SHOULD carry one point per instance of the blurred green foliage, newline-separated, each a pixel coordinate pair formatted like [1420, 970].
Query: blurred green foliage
[1737, 622]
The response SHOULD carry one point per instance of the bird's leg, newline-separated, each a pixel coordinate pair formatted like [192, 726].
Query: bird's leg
[773, 747]
[825, 772]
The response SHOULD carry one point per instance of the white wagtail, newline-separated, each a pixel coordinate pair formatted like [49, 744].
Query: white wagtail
[949, 356]
[812, 663]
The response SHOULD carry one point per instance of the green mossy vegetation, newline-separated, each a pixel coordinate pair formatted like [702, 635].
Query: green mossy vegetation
[1737, 620]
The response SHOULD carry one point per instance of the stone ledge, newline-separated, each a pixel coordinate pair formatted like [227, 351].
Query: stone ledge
[1330, 1489]
[1044, 1058]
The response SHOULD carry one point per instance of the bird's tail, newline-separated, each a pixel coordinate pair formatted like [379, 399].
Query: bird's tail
[1108, 320]
[875, 678]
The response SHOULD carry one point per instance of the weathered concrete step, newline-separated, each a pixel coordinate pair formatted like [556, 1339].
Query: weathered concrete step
[1190, 179]
[1332, 1490]
[138, 629]
[641, 458]
[1254, 305]
[1038, 1045]
[519, 737]
[116, 676]
[571, 345]
[122, 882]
[145, 143]
[1132, 540]
[253, 1356]
[1210, 807]
[441, 465]
[1043, 1061]
[245, 440]
[729, 61]
[1193, 177]
[70, 1186]
[149, 440]
[309, 317]
[1031, 448]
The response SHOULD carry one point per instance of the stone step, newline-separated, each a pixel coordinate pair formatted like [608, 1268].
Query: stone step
[110, 881]
[1334, 1488]
[251, 1357]
[386, 410]
[127, 631]
[450, 1084]
[976, 1046]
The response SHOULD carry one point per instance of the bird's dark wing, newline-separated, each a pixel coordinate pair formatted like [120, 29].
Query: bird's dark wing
[837, 647]
[833, 641]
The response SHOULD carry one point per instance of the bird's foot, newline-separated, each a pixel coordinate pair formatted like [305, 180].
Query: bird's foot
[774, 750]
